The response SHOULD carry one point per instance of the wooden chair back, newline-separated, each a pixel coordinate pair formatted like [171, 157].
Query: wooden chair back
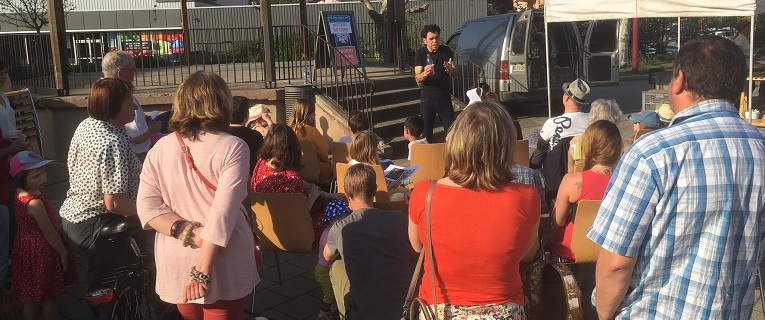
[430, 158]
[341, 152]
[579, 166]
[584, 249]
[522, 152]
[26, 118]
[641, 132]
[310, 171]
[282, 222]
[382, 185]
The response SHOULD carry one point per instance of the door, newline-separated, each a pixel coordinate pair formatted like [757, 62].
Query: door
[512, 66]
[601, 48]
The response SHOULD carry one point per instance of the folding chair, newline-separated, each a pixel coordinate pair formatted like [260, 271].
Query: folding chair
[430, 158]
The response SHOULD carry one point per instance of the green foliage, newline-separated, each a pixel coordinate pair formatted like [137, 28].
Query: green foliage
[288, 46]
[646, 62]
[247, 50]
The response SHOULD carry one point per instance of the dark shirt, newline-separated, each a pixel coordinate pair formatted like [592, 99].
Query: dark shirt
[373, 245]
[437, 84]
[252, 138]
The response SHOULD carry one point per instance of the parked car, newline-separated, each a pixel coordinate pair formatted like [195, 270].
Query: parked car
[511, 50]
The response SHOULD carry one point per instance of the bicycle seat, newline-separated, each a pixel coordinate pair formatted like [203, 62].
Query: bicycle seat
[114, 228]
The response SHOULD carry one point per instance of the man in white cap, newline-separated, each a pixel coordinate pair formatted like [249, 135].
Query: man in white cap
[572, 122]
[120, 65]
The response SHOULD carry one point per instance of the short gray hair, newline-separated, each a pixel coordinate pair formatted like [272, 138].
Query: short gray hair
[114, 61]
[602, 109]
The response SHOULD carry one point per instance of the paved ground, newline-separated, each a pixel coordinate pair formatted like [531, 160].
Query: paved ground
[298, 296]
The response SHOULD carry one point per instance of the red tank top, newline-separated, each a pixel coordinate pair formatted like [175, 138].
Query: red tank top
[593, 187]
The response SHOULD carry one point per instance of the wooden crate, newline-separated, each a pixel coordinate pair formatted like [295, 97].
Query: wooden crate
[653, 99]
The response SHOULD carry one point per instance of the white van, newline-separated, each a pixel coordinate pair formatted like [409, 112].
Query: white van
[510, 50]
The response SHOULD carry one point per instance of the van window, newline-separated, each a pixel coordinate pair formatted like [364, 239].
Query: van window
[603, 38]
[518, 44]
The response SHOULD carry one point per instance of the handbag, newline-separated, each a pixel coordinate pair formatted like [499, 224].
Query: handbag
[544, 280]
[190, 162]
[413, 304]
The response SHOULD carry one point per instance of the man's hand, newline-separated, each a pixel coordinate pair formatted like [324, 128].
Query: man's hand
[429, 69]
[449, 67]
[18, 144]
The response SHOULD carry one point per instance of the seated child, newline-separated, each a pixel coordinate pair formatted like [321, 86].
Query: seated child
[644, 120]
[358, 121]
[335, 210]
[665, 115]
[373, 244]
[412, 131]
[259, 120]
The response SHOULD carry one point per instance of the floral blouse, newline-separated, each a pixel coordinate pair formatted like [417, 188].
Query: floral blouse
[265, 180]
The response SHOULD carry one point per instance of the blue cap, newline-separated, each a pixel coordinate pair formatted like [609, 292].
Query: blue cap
[649, 118]
[334, 209]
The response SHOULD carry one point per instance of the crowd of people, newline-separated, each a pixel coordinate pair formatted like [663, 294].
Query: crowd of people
[680, 227]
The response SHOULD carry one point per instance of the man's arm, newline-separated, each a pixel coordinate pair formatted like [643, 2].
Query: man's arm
[612, 277]
[154, 127]
[420, 72]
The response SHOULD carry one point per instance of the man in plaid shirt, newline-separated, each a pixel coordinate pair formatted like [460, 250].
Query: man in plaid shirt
[681, 225]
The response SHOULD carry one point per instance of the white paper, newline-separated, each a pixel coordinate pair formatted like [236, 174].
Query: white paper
[154, 115]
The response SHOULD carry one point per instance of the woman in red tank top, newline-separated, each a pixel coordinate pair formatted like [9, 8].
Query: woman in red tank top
[601, 150]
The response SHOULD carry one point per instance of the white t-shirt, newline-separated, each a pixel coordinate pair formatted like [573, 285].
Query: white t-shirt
[7, 117]
[563, 126]
[420, 141]
[137, 128]
[742, 41]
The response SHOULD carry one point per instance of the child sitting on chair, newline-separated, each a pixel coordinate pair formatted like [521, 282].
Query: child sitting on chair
[334, 211]
[412, 131]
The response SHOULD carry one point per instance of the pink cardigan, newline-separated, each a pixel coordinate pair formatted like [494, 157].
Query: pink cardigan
[168, 185]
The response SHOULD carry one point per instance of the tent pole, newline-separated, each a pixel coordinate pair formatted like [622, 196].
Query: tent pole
[678, 33]
[547, 58]
[751, 60]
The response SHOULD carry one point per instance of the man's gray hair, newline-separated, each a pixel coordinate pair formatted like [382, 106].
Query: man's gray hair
[602, 109]
[114, 61]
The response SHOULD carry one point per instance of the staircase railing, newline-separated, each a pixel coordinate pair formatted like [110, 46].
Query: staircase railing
[345, 84]
[469, 75]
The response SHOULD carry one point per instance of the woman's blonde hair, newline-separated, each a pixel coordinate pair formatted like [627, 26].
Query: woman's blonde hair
[364, 147]
[480, 147]
[300, 112]
[601, 144]
[202, 104]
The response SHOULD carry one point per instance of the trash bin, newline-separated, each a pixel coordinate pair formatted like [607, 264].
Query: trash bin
[294, 92]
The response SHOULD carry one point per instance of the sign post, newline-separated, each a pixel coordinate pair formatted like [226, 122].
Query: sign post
[339, 29]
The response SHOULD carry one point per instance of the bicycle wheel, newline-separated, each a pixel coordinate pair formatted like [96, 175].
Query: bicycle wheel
[131, 304]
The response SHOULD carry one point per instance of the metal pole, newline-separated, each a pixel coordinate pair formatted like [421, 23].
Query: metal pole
[635, 44]
[57, 26]
[547, 58]
[268, 42]
[304, 27]
[185, 27]
[751, 60]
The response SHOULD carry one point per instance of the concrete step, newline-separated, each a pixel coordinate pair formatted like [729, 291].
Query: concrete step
[396, 96]
[394, 83]
[395, 111]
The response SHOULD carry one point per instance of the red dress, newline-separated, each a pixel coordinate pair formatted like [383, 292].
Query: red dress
[593, 187]
[265, 180]
[37, 271]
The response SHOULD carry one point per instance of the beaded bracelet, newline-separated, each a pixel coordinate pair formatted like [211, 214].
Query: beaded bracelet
[186, 235]
[174, 228]
[199, 277]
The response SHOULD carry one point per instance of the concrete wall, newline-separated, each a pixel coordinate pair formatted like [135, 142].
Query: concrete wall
[332, 123]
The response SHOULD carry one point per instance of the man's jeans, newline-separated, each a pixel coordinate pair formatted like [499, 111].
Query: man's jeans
[429, 108]
[5, 241]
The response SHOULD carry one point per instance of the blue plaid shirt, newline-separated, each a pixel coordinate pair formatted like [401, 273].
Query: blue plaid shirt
[533, 178]
[688, 202]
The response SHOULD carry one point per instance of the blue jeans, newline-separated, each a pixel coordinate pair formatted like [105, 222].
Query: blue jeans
[429, 107]
[5, 241]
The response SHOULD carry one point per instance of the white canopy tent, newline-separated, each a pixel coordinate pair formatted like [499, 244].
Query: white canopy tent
[584, 10]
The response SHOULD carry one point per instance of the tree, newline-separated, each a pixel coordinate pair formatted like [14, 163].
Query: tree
[31, 14]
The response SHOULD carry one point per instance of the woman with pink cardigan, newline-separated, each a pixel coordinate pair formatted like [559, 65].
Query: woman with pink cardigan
[204, 246]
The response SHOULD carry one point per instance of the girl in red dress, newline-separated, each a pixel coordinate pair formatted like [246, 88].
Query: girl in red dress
[43, 263]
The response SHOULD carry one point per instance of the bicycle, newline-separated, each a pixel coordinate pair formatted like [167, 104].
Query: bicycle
[127, 292]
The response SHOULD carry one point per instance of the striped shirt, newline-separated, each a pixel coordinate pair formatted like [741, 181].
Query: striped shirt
[533, 178]
[688, 201]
